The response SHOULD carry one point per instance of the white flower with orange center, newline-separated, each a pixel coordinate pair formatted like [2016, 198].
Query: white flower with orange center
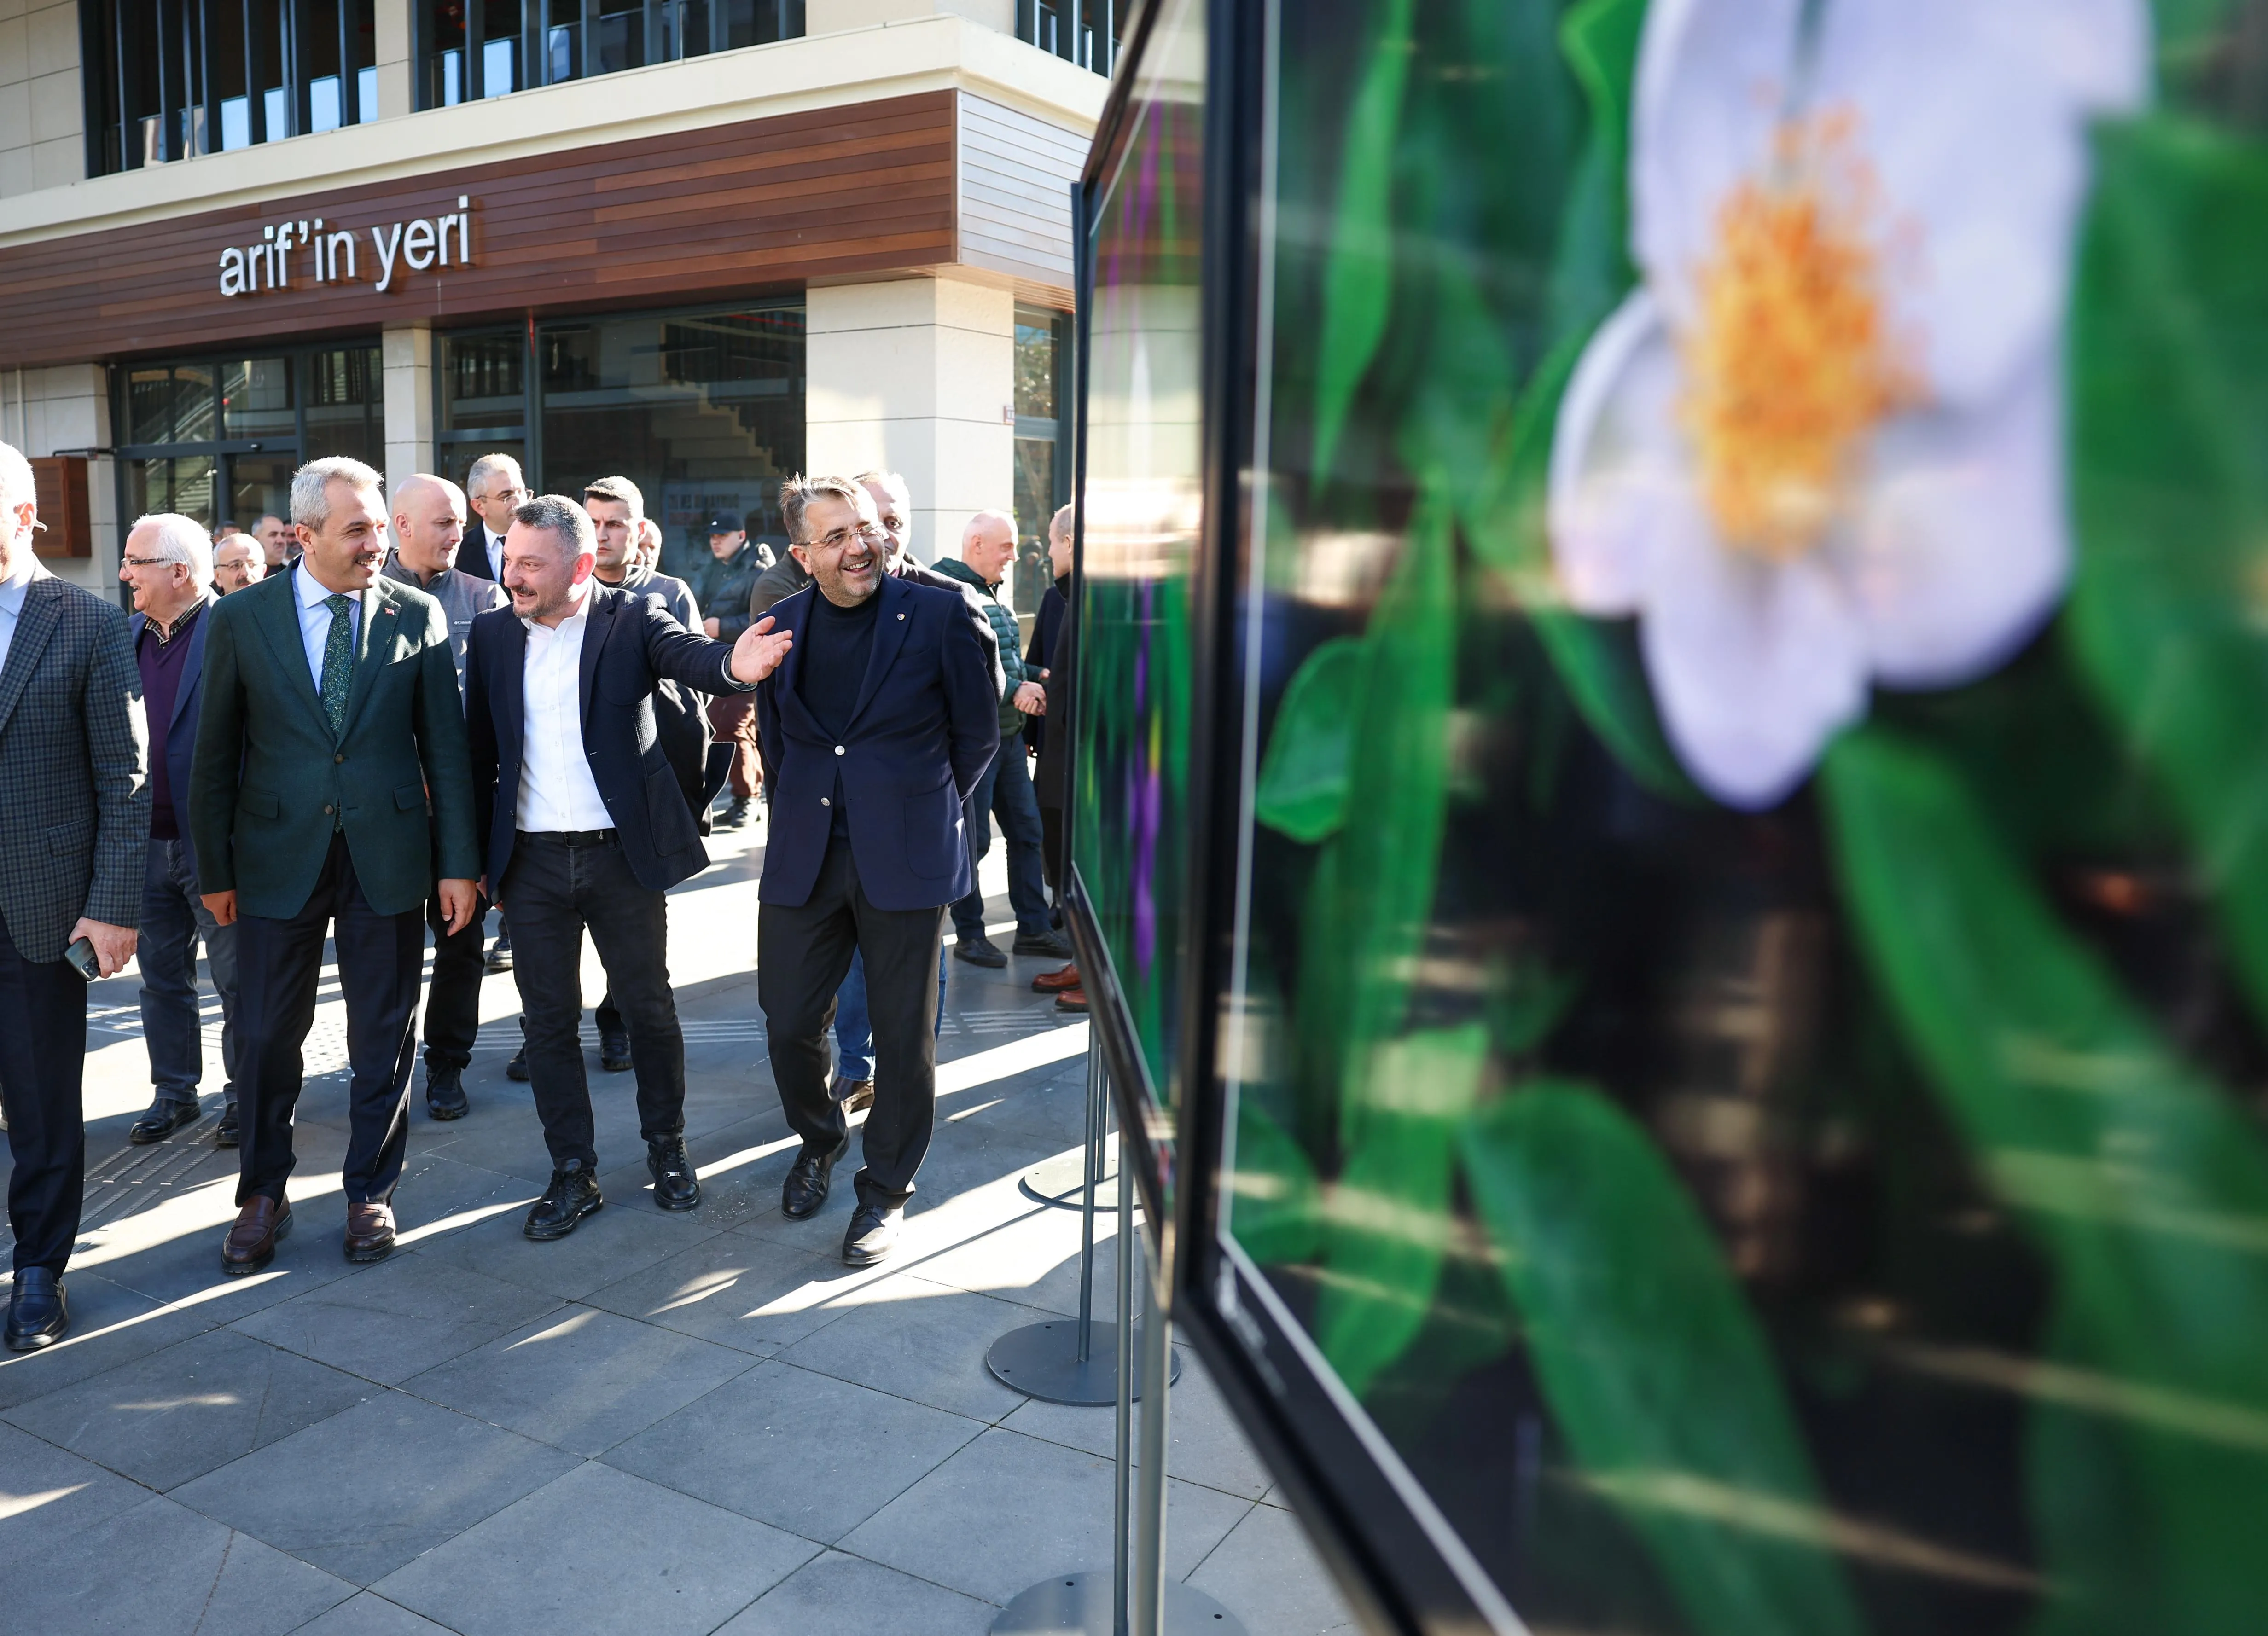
[1819, 448]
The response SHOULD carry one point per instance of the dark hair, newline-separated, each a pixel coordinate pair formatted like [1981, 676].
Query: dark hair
[557, 514]
[798, 491]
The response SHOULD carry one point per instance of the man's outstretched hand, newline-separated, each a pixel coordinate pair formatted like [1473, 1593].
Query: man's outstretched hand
[759, 651]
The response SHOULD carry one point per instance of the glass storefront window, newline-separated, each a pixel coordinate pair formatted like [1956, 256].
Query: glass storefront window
[257, 398]
[490, 48]
[346, 408]
[483, 382]
[1042, 446]
[171, 403]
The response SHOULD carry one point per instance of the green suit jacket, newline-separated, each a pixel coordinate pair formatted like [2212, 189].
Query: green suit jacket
[270, 783]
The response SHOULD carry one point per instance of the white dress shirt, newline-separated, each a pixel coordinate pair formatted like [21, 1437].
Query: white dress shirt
[11, 603]
[556, 791]
[315, 619]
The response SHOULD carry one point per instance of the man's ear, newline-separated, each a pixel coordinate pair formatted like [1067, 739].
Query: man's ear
[586, 565]
[801, 555]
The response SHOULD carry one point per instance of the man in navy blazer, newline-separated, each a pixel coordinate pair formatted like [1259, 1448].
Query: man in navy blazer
[168, 563]
[586, 825]
[880, 720]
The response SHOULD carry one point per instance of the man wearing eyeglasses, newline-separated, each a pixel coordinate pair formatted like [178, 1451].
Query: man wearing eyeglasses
[494, 489]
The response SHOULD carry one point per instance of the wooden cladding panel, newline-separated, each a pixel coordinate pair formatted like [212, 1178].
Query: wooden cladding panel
[695, 216]
[59, 487]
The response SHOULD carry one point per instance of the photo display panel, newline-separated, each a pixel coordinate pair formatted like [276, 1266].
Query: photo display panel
[1143, 509]
[1740, 1077]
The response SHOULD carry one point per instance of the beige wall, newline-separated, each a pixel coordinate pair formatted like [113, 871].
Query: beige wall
[45, 411]
[42, 123]
[406, 355]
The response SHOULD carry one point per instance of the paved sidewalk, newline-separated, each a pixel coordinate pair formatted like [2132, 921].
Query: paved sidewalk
[662, 1424]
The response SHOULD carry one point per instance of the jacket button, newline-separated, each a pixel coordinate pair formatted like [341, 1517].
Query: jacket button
[825, 801]
[838, 750]
[338, 758]
[326, 811]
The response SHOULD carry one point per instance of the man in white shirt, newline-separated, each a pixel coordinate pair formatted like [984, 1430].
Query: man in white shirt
[585, 827]
[496, 488]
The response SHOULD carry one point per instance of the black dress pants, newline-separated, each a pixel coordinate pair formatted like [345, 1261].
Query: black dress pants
[43, 1059]
[802, 955]
[452, 994]
[278, 967]
[557, 885]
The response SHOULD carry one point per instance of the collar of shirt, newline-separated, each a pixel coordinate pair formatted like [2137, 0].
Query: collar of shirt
[181, 622]
[557, 789]
[12, 592]
[315, 619]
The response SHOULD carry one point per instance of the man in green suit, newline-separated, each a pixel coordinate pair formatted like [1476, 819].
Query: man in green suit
[330, 765]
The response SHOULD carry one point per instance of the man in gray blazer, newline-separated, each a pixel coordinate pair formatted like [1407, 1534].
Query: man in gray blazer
[74, 826]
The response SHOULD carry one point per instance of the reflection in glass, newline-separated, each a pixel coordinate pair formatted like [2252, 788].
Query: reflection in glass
[483, 380]
[183, 484]
[346, 406]
[256, 399]
[172, 403]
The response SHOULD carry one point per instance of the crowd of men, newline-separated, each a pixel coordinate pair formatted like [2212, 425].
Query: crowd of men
[376, 722]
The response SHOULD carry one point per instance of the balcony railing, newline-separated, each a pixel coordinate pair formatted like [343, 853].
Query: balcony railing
[1084, 31]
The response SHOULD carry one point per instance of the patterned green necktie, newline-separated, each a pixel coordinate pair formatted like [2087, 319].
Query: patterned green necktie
[338, 663]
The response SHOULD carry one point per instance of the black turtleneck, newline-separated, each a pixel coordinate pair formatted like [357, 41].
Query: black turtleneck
[837, 642]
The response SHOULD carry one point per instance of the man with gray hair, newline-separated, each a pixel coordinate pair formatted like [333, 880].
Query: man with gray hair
[331, 786]
[495, 486]
[167, 564]
[237, 561]
[74, 824]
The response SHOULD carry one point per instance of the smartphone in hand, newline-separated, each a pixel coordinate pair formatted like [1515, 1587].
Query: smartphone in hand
[84, 960]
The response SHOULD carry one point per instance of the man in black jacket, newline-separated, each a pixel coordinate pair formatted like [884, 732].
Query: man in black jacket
[585, 826]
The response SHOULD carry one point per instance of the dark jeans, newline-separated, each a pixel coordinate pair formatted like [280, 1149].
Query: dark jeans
[854, 1031]
[43, 1056]
[174, 918]
[279, 964]
[452, 994]
[1006, 792]
[802, 955]
[558, 884]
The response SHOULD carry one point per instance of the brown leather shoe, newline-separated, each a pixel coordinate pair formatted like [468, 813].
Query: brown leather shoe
[1072, 1000]
[1055, 982]
[370, 1232]
[251, 1243]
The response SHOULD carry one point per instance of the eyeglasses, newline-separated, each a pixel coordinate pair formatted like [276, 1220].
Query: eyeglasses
[150, 562]
[504, 494]
[841, 538]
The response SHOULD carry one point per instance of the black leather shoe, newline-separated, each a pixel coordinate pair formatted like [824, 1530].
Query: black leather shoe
[873, 1235]
[229, 1131]
[808, 1179]
[1050, 944]
[615, 1050]
[444, 1094]
[500, 953]
[736, 816]
[676, 1186]
[38, 1314]
[572, 1195]
[517, 1068]
[979, 951]
[165, 1116]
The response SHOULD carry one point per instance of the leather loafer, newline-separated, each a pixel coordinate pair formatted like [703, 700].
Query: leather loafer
[979, 951]
[853, 1094]
[676, 1186]
[807, 1180]
[38, 1314]
[1055, 982]
[873, 1234]
[251, 1244]
[615, 1051]
[165, 1116]
[370, 1232]
[1072, 1000]
[572, 1195]
[228, 1133]
[444, 1094]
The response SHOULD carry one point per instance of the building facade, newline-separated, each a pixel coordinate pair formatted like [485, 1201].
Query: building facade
[702, 243]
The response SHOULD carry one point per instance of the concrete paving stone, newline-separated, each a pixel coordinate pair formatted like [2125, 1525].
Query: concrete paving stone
[918, 1340]
[439, 1195]
[1206, 1446]
[176, 1414]
[580, 1379]
[610, 1244]
[1268, 1575]
[839, 1596]
[368, 1614]
[739, 1292]
[110, 1325]
[398, 1318]
[161, 1568]
[1030, 1256]
[1045, 1509]
[801, 1451]
[168, 1260]
[365, 1492]
[598, 1550]
[48, 1497]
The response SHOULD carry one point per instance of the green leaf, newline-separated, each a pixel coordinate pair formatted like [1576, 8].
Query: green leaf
[1386, 1218]
[2168, 614]
[1655, 1369]
[2145, 1188]
[1275, 1212]
[1306, 773]
[1358, 278]
[1591, 269]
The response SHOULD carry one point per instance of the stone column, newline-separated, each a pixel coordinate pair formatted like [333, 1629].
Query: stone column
[406, 357]
[917, 376]
[390, 18]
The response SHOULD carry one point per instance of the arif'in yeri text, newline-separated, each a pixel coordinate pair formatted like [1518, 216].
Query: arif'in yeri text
[330, 255]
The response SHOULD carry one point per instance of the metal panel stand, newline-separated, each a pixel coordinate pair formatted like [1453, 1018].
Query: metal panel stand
[1062, 1362]
[1095, 1603]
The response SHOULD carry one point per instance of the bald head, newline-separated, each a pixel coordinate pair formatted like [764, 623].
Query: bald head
[989, 543]
[429, 523]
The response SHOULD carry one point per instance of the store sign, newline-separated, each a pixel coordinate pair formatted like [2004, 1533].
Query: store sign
[331, 255]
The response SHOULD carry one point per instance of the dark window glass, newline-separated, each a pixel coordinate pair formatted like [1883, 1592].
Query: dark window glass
[259, 485]
[1037, 348]
[1035, 503]
[345, 404]
[171, 403]
[184, 483]
[257, 400]
[509, 49]
[482, 381]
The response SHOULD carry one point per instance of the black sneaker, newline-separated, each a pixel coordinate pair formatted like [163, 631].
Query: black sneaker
[979, 951]
[444, 1094]
[500, 953]
[572, 1195]
[1048, 944]
[517, 1068]
[676, 1184]
[228, 1133]
[615, 1050]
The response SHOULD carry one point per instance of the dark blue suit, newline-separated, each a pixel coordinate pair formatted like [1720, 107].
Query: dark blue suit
[918, 737]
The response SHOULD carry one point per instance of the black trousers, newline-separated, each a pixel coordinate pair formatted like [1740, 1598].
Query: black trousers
[1052, 847]
[557, 885]
[802, 955]
[42, 1059]
[452, 994]
[278, 966]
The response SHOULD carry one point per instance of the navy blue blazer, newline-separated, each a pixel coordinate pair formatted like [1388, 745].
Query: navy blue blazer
[925, 725]
[629, 645]
[181, 731]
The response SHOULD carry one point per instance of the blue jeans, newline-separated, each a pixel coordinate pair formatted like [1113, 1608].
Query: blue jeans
[1006, 792]
[854, 1034]
[174, 918]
